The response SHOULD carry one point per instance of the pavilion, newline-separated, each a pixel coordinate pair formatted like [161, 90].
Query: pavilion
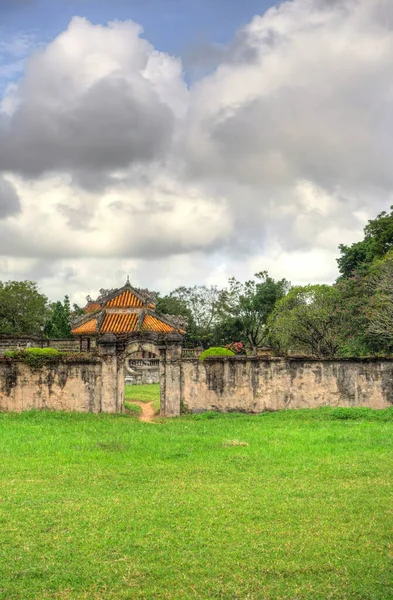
[124, 312]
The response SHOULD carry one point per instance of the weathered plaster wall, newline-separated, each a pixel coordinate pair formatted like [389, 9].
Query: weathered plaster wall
[171, 377]
[258, 384]
[83, 386]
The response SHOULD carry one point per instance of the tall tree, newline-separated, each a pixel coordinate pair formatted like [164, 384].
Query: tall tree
[380, 310]
[23, 309]
[172, 305]
[58, 325]
[245, 307]
[308, 320]
[377, 241]
[355, 296]
[199, 304]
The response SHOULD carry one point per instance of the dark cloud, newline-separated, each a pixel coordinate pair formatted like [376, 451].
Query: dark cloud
[78, 218]
[108, 127]
[9, 199]
[290, 143]
[96, 100]
[204, 56]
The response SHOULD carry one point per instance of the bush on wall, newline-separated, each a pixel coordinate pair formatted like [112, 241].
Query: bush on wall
[34, 357]
[38, 357]
[211, 352]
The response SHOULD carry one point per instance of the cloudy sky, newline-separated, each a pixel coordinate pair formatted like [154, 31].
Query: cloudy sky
[185, 141]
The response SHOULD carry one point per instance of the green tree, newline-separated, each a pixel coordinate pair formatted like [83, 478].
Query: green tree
[308, 320]
[199, 304]
[58, 325]
[23, 309]
[77, 311]
[172, 305]
[228, 329]
[380, 309]
[378, 240]
[245, 308]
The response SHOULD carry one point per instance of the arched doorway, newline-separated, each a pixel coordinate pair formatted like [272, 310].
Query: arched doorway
[142, 376]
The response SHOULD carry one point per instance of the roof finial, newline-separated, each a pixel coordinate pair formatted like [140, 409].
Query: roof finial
[128, 280]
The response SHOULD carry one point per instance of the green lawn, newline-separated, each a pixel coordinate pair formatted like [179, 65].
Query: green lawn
[142, 393]
[292, 505]
[133, 410]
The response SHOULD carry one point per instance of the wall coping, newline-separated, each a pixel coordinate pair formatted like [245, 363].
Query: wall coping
[284, 359]
[54, 361]
[32, 336]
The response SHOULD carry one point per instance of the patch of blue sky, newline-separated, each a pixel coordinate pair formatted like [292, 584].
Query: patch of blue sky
[178, 27]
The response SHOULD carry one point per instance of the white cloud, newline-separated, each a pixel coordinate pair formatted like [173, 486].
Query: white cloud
[94, 100]
[270, 161]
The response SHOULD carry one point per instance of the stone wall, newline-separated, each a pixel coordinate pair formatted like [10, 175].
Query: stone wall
[83, 385]
[66, 345]
[254, 385]
[15, 342]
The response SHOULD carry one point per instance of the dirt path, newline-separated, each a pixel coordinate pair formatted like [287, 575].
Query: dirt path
[147, 410]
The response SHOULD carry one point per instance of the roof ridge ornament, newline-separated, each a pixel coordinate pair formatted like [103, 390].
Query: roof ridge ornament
[128, 280]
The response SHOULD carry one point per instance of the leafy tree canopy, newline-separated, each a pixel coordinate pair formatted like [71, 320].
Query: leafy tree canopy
[199, 305]
[58, 325]
[380, 307]
[378, 240]
[172, 305]
[23, 309]
[245, 307]
[308, 320]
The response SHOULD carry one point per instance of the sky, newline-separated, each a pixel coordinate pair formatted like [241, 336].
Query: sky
[183, 142]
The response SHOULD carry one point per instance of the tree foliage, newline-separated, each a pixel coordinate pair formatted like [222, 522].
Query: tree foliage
[380, 311]
[23, 309]
[244, 308]
[58, 325]
[378, 240]
[199, 305]
[172, 305]
[308, 320]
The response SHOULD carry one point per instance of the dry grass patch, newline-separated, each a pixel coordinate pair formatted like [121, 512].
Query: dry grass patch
[230, 443]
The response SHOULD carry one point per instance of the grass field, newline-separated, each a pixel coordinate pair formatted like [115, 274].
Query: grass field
[291, 505]
[144, 393]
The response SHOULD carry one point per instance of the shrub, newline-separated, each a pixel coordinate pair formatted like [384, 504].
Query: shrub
[34, 357]
[351, 413]
[211, 352]
[236, 347]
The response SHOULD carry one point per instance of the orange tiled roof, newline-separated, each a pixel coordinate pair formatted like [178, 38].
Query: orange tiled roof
[87, 327]
[119, 323]
[153, 324]
[92, 307]
[125, 300]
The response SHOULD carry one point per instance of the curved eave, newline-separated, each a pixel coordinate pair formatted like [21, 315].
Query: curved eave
[87, 328]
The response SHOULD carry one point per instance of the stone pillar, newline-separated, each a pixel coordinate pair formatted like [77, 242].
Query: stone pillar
[112, 386]
[170, 375]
